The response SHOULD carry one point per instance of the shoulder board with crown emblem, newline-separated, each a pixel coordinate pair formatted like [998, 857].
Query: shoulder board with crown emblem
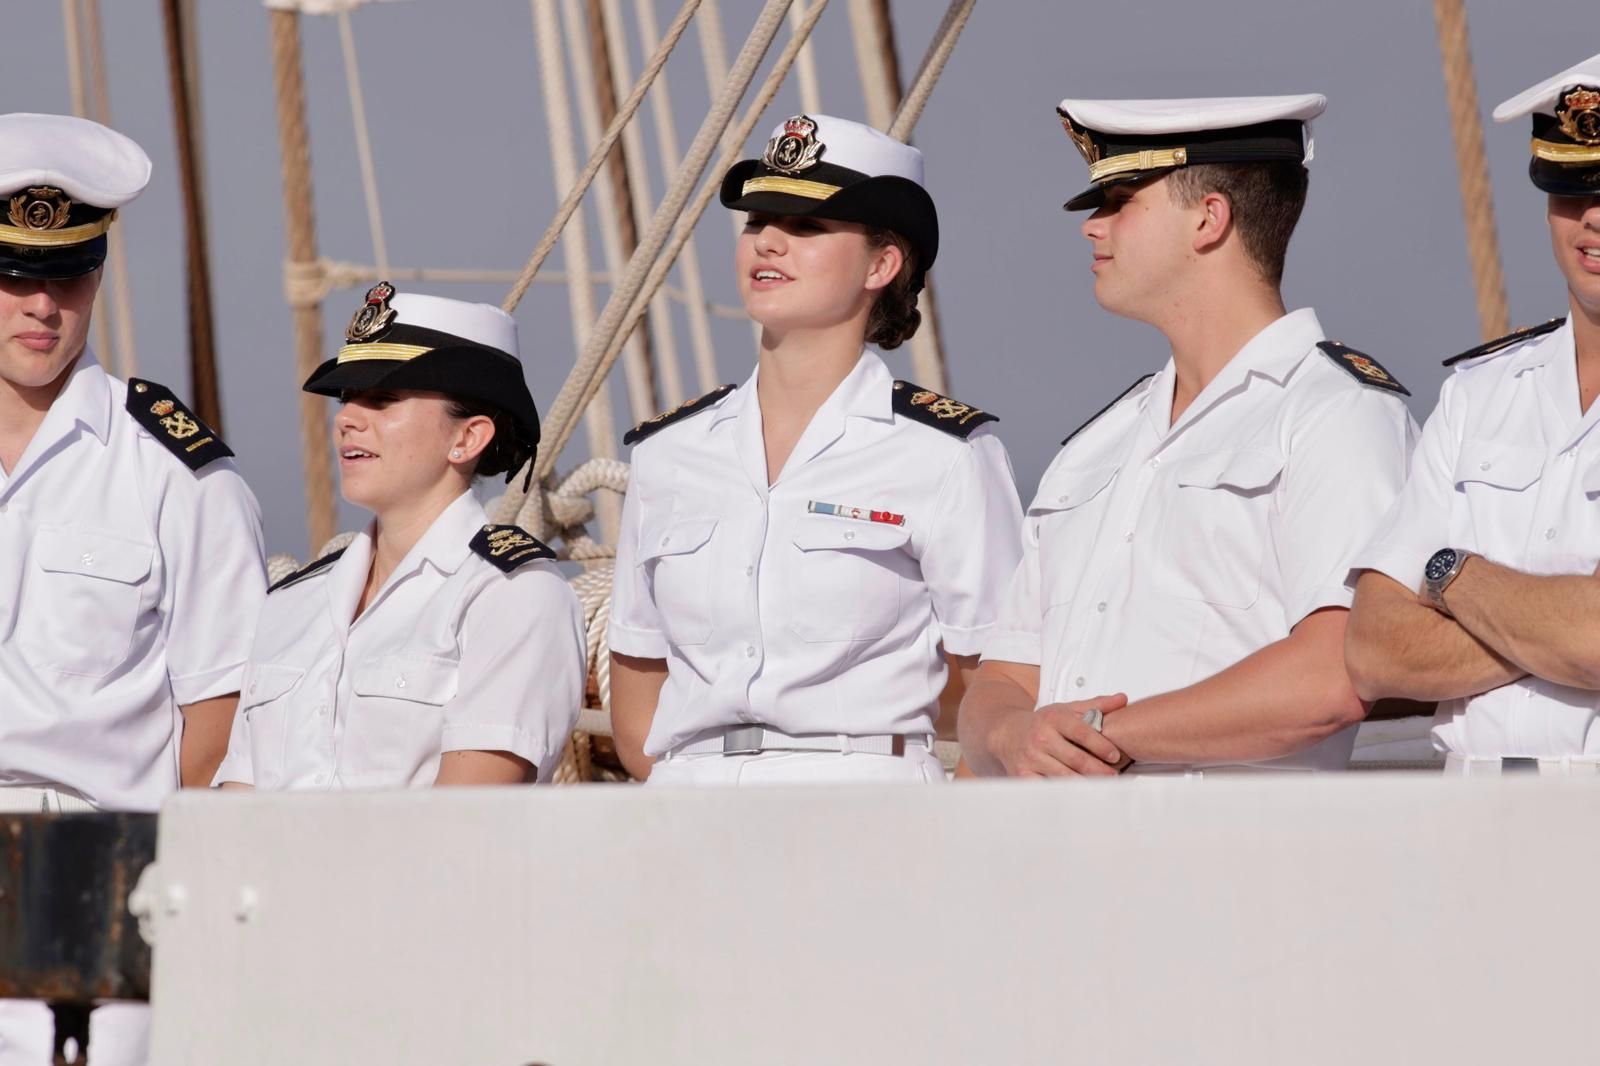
[677, 414]
[1362, 367]
[1500, 344]
[941, 412]
[1096, 416]
[509, 547]
[165, 418]
[311, 569]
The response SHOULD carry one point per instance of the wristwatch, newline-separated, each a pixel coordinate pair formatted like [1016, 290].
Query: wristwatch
[1442, 568]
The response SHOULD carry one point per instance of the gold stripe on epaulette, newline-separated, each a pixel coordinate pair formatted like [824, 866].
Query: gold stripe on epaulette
[394, 353]
[1565, 153]
[811, 190]
[56, 238]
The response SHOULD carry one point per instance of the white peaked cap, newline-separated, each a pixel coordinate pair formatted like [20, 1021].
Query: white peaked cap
[1542, 98]
[1143, 118]
[92, 164]
[864, 149]
[483, 324]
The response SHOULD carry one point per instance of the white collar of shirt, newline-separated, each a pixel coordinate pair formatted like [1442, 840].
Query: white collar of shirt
[444, 546]
[84, 400]
[1273, 354]
[865, 392]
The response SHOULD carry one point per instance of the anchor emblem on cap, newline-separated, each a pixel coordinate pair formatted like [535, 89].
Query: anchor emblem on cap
[1579, 114]
[45, 207]
[373, 317]
[796, 149]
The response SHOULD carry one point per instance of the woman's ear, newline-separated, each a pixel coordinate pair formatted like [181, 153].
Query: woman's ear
[1215, 217]
[472, 436]
[885, 266]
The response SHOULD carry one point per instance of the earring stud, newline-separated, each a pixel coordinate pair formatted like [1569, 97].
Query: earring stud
[455, 453]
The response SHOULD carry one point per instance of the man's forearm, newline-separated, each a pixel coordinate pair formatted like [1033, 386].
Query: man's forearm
[1547, 626]
[990, 701]
[1398, 646]
[206, 726]
[1279, 700]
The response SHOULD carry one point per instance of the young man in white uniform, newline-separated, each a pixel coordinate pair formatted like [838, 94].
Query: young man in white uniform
[1182, 596]
[131, 548]
[1480, 587]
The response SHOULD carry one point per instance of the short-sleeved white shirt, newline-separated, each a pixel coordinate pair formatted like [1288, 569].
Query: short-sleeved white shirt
[131, 585]
[1508, 467]
[769, 612]
[1157, 555]
[452, 654]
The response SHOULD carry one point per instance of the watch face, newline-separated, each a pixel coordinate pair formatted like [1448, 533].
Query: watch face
[1439, 565]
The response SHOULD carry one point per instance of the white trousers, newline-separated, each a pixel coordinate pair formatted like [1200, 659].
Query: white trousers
[119, 1033]
[918, 765]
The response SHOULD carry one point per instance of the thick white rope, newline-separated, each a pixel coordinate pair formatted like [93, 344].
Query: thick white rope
[636, 371]
[608, 140]
[597, 415]
[693, 295]
[358, 114]
[618, 317]
[922, 86]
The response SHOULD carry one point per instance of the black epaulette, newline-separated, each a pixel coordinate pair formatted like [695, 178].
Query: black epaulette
[1363, 368]
[1096, 416]
[509, 547]
[1514, 337]
[941, 412]
[678, 413]
[313, 567]
[166, 419]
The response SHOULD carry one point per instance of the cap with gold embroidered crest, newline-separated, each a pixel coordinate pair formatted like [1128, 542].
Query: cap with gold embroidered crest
[62, 180]
[1128, 140]
[827, 167]
[1566, 129]
[467, 351]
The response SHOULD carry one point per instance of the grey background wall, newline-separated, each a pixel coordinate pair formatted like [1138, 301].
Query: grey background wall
[459, 136]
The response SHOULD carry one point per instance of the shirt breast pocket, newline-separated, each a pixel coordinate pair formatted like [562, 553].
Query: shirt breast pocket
[1214, 534]
[677, 562]
[83, 604]
[1061, 518]
[396, 721]
[1494, 479]
[266, 709]
[844, 578]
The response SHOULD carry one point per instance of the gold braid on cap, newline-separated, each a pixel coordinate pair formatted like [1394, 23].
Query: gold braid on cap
[38, 218]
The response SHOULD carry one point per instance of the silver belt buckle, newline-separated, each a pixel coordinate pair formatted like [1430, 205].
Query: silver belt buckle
[742, 740]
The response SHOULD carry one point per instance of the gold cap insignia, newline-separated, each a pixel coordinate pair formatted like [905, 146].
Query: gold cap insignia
[43, 208]
[796, 149]
[162, 407]
[374, 316]
[1080, 137]
[1579, 114]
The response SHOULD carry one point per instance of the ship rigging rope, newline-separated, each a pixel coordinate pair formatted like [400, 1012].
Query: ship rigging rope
[358, 113]
[1477, 204]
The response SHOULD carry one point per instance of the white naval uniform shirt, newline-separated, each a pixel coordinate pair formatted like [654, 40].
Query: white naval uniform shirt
[1157, 555]
[131, 588]
[1508, 467]
[810, 623]
[452, 654]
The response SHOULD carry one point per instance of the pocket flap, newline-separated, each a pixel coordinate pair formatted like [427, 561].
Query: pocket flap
[1247, 469]
[1506, 466]
[816, 532]
[678, 537]
[77, 551]
[1067, 489]
[405, 677]
[268, 681]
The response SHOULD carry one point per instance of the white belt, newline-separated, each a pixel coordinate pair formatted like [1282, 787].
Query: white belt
[25, 799]
[754, 739]
[1495, 765]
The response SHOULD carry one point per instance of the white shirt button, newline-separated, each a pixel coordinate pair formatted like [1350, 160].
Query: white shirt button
[749, 571]
[1484, 465]
[1078, 682]
[665, 541]
[87, 558]
[1155, 464]
[1101, 607]
[1550, 534]
[749, 651]
[1128, 536]
[849, 534]
[1063, 498]
[400, 681]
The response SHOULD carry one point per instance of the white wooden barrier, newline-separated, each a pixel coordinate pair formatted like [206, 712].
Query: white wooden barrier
[1270, 920]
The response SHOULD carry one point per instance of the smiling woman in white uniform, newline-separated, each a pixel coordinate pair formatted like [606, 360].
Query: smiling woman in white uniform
[436, 649]
[801, 556]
